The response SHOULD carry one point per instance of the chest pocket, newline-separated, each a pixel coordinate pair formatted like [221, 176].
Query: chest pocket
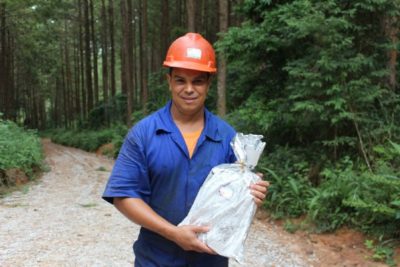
[208, 155]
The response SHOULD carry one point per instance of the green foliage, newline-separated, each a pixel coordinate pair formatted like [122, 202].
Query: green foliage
[90, 140]
[158, 93]
[101, 169]
[291, 227]
[114, 109]
[369, 201]
[381, 252]
[88, 205]
[311, 76]
[19, 149]
[289, 190]
[307, 73]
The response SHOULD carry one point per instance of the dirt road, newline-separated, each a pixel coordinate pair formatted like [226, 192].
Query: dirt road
[60, 220]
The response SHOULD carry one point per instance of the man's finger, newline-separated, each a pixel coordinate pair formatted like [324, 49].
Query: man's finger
[258, 194]
[204, 248]
[263, 183]
[261, 175]
[260, 188]
[200, 229]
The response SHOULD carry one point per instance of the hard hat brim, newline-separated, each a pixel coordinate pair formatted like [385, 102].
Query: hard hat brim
[189, 65]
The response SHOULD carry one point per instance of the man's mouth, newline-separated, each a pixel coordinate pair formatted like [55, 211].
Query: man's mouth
[189, 100]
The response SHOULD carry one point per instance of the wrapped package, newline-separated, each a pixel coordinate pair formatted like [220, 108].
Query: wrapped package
[224, 201]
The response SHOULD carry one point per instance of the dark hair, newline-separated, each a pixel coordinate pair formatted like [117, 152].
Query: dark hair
[171, 68]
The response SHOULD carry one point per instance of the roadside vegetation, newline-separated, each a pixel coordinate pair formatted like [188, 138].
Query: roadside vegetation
[91, 139]
[21, 156]
[313, 77]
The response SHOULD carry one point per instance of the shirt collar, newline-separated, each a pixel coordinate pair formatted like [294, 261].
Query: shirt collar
[165, 123]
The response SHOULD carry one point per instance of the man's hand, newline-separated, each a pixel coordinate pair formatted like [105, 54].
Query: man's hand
[259, 190]
[186, 237]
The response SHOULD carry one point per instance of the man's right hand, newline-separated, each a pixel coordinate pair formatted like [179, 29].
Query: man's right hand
[186, 237]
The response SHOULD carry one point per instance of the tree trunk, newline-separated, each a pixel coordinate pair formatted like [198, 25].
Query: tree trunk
[3, 62]
[112, 46]
[144, 55]
[104, 58]
[57, 102]
[88, 70]
[135, 69]
[81, 55]
[2, 26]
[391, 31]
[191, 15]
[165, 28]
[64, 98]
[68, 77]
[131, 46]
[94, 46]
[15, 100]
[77, 99]
[126, 61]
[223, 27]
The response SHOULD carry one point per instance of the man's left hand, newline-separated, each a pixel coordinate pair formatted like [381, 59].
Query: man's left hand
[259, 190]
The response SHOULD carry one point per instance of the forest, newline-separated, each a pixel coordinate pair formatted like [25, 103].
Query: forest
[318, 79]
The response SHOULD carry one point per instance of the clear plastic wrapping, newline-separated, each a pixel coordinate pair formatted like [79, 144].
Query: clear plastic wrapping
[224, 201]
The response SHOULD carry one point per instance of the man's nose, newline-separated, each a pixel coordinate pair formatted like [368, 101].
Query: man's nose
[189, 88]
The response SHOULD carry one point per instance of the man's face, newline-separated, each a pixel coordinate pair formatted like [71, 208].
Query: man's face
[188, 89]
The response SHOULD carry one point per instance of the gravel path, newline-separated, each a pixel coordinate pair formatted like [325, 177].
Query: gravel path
[62, 221]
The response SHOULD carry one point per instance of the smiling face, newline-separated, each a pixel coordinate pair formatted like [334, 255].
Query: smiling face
[189, 91]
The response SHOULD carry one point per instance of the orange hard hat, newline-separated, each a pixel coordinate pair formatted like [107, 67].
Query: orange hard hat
[191, 51]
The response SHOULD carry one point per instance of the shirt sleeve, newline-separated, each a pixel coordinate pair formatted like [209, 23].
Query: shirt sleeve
[129, 177]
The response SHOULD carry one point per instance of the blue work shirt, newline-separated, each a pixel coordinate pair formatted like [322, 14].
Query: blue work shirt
[154, 165]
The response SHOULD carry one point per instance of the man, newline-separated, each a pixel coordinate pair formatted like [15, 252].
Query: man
[165, 159]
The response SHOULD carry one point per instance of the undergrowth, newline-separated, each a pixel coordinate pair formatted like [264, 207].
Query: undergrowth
[20, 149]
[88, 139]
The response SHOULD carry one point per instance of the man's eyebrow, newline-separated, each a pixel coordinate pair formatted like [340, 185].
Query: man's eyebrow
[201, 76]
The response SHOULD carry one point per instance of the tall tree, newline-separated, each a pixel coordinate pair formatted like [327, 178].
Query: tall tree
[104, 58]
[223, 27]
[88, 65]
[126, 56]
[94, 51]
[67, 77]
[391, 29]
[112, 46]
[77, 78]
[3, 62]
[144, 53]
[82, 61]
[165, 27]
[7, 91]
[191, 15]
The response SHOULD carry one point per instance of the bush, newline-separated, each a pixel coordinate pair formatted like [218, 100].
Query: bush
[19, 149]
[290, 188]
[90, 140]
[347, 192]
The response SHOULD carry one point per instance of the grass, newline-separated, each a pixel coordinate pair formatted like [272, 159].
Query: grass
[101, 169]
[88, 205]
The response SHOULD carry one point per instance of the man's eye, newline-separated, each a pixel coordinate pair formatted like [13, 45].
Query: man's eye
[198, 82]
[179, 81]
